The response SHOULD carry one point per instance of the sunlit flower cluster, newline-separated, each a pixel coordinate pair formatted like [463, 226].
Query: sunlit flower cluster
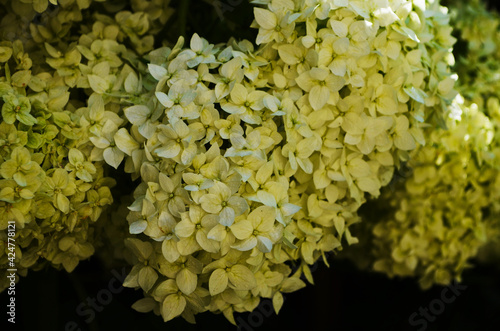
[364, 86]
[477, 62]
[256, 160]
[446, 207]
[443, 213]
[479, 70]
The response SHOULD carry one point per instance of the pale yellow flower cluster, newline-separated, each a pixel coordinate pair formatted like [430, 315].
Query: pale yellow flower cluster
[51, 192]
[365, 80]
[447, 208]
[252, 159]
[212, 198]
[53, 186]
[445, 211]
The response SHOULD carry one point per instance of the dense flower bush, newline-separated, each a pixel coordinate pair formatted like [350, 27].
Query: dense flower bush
[49, 186]
[249, 159]
[52, 183]
[253, 160]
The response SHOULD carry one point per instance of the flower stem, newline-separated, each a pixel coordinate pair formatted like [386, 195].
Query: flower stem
[183, 10]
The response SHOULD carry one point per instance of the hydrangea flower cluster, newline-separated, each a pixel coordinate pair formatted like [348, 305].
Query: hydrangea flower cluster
[445, 211]
[480, 83]
[479, 71]
[130, 23]
[49, 187]
[449, 207]
[253, 160]
[212, 203]
[477, 62]
[478, 66]
[52, 180]
[365, 85]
